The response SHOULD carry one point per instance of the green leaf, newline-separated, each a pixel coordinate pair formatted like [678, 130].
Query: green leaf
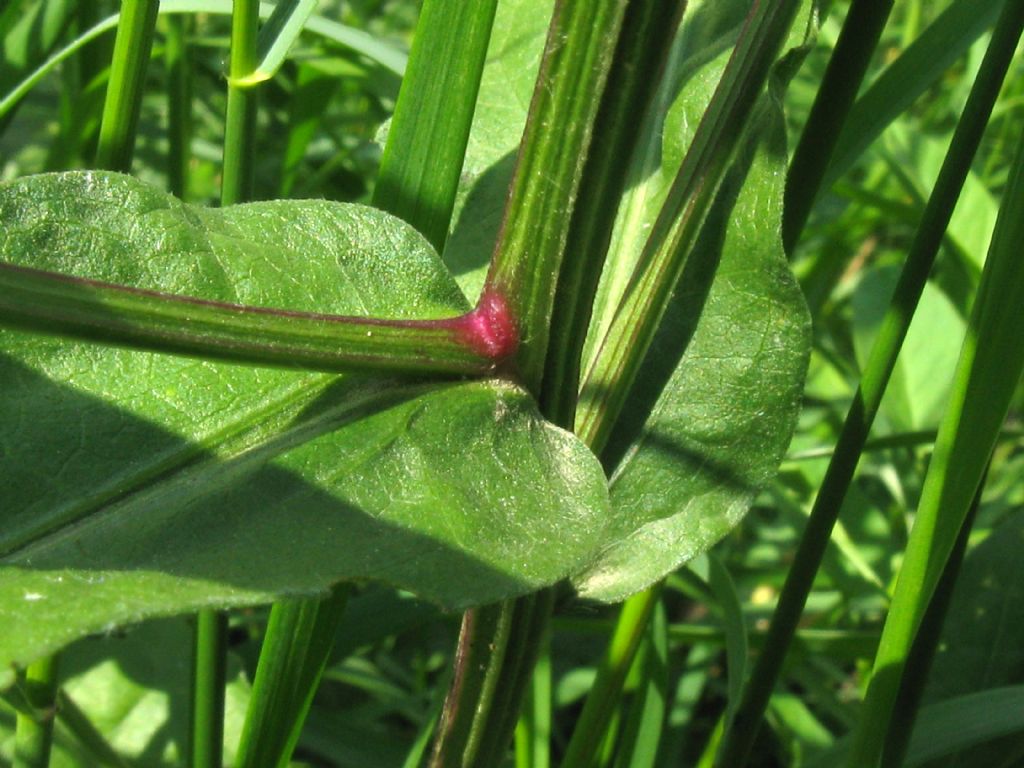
[716, 401]
[419, 169]
[919, 389]
[139, 484]
[690, 408]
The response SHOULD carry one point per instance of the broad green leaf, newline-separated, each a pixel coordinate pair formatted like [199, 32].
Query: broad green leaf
[698, 428]
[139, 484]
[916, 396]
[716, 402]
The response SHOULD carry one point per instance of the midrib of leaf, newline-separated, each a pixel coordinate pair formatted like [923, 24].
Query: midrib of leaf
[247, 437]
[224, 443]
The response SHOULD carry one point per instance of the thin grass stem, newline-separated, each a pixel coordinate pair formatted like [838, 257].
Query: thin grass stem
[132, 47]
[209, 669]
[603, 699]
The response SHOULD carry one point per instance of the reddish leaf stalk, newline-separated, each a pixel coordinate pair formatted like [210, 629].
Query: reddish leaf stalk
[478, 342]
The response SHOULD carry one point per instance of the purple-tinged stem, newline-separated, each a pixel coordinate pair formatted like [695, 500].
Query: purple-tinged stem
[477, 342]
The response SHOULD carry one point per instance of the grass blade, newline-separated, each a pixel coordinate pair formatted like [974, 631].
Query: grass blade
[728, 600]
[857, 42]
[533, 732]
[603, 699]
[641, 734]
[422, 162]
[892, 93]
[354, 39]
[277, 36]
[897, 740]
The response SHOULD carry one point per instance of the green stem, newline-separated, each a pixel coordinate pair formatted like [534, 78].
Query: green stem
[123, 103]
[179, 105]
[33, 734]
[480, 651]
[740, 738]
[648, 29]
[206, 727]
[240, 122]
[530, 620]
[421, 165]
[475, 342]
[611, 676]
[580, 46]
[629, 336]
[298, 641]
[857, 42]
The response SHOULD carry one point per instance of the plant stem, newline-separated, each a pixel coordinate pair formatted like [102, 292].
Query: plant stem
[298, 641]
[648, 29]
[740, 738]
[179, 105]
[420, 168]
[858, 39]
[480, 651]
[534, 232]
[135, 30]
[611, 675]
[33, 734]
[621, 351]
[240, 123]
[206, 727]
[476, 342]
[530, 620]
